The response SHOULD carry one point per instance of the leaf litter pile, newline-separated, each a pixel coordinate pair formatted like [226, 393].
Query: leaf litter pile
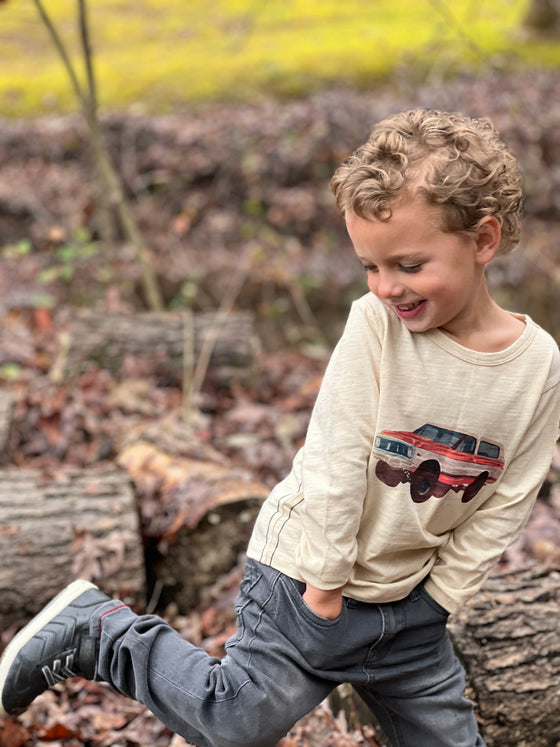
[275, 200]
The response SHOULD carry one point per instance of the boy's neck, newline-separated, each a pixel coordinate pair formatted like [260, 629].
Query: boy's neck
[494, 329]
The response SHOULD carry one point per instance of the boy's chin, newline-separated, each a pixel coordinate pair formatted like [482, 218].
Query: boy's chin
[417, 323]
[418, 327]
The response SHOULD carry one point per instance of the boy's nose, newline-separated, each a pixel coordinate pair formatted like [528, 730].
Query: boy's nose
[385, 286]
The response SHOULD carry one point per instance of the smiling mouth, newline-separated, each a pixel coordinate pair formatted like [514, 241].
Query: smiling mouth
[409, 310]
[408, 306]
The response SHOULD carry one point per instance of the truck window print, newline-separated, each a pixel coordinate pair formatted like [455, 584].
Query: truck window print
[435, 460]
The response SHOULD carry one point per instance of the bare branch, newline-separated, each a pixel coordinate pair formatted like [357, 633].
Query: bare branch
[198, 375]
[88, 57]
[63, 54]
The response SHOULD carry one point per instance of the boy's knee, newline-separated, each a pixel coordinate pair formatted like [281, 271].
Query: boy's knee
[248, 732]
[240, 737]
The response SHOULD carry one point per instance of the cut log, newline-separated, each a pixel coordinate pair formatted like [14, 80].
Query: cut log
[6, 413]
[157, 343]
[185, 568]
[508, 638]
[198, 511]
[70, 525]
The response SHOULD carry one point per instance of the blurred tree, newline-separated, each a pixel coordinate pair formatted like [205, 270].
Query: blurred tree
[110, 185]
[543, 17]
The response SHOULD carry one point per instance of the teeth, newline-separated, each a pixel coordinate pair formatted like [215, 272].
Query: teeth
[409, 307]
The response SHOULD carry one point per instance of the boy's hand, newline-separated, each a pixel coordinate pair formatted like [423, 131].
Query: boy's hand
[326, 604]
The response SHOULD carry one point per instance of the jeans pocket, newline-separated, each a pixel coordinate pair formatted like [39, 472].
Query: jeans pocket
[425, 621]
[322, 642]
[428, 598]
[295, 590]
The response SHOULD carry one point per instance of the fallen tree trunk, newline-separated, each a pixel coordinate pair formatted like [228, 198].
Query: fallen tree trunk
[54, 529]
[508, 638]
[158, 343]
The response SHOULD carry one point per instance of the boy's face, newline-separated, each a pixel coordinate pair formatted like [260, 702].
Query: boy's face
[428, 277]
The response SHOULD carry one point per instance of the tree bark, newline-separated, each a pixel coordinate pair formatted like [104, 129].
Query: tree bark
[6, 412]
[198, 511]
[508, 638]
[197, 558]
[156, 342]
[70, 525]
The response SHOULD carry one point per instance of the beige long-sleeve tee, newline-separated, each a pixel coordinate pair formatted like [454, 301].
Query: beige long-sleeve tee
[423, 458]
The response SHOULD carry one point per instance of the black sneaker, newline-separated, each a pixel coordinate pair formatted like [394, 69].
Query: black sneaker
[54, 646]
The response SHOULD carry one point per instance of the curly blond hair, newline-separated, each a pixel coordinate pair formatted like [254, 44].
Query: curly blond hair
[448, 158]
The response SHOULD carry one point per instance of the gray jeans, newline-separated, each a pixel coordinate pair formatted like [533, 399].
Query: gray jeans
[284, 660]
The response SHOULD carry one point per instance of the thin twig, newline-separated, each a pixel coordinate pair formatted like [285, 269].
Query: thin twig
[88, 56]
[209, 343]
[188, 362]
[62, 52]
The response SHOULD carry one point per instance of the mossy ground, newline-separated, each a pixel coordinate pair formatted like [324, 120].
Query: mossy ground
[158, 56]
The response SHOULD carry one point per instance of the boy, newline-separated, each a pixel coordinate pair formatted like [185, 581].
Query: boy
[432, 432]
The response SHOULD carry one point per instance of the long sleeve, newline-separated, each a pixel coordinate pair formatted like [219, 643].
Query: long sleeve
[336, 453]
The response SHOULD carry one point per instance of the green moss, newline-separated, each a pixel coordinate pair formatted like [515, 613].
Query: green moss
[164, 54]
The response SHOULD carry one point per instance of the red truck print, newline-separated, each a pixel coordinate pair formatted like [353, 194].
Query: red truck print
[435, 460]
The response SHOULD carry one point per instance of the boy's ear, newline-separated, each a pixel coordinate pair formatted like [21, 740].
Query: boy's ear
[488, 237]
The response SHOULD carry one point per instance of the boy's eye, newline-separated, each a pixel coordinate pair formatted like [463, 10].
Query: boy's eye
[402, 268]
[411, 268]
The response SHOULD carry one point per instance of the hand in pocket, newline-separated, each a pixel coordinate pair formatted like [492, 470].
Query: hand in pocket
[327, 604]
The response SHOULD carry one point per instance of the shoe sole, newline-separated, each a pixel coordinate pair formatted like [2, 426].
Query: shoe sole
[53, 608]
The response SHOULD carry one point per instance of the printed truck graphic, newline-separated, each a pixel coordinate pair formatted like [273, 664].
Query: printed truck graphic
[435, 460]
